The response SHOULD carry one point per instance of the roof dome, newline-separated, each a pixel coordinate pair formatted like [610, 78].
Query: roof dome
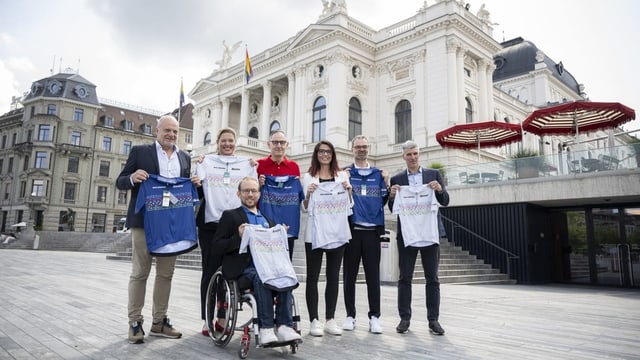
[519, 57]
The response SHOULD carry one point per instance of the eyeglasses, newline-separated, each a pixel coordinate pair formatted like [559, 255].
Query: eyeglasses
[279, 142]
[250, 191]
[361, 147]
[324, 152]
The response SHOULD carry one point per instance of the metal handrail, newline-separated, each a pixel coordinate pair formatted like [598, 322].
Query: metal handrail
[508, 254]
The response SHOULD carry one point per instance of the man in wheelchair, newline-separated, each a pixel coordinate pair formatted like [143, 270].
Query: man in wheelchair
[272, 278]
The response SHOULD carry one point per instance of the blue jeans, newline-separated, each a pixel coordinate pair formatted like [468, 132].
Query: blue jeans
[264, 300]
[407, 262]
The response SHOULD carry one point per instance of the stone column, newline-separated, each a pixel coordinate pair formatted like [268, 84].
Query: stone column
[291, 96]
[266, 111]
[490, 68]
[482, 87]
[461, 103]
[244, 114]
[225, 113]
[452, 94]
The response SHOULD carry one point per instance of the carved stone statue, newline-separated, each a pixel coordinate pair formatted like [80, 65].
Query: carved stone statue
[227, 54]
[483, 14]
[333, 6]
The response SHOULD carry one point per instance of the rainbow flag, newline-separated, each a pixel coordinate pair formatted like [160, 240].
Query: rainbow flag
[248, 70]
[181, 93]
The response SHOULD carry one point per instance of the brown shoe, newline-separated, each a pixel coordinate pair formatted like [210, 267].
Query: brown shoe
[136, 333]
[165, 329]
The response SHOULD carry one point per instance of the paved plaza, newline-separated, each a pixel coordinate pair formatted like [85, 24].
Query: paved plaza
[72, 305]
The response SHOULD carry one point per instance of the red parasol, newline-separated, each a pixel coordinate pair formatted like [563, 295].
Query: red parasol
[577, 117]
[481, 134]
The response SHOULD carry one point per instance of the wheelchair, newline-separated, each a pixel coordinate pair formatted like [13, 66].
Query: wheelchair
[225, 303]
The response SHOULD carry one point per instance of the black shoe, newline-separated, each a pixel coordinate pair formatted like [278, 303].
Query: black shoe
[403, 327]
[435, 327]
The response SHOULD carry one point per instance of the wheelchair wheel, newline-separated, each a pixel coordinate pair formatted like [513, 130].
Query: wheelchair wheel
[220, 308]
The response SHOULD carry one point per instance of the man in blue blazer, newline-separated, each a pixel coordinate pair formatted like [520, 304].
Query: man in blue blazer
[165, 159]
[227, 241]
[429, 252]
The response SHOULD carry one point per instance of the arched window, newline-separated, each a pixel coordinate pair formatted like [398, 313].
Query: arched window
[253, 133]
[207, 138]
[403, 121]
[468, 111]
[275, 125]
[319, 119]
[355, 118]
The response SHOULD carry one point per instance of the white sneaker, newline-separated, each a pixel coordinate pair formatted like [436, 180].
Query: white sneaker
[267, 336]
[349, 324]
[286, 333]
[374, 325]
[331, 327]
[316, 328]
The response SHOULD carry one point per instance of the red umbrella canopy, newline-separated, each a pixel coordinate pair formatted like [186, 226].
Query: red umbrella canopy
[481, 134]
[577, 117]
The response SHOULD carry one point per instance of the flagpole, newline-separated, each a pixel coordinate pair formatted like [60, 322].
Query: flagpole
[181, 101]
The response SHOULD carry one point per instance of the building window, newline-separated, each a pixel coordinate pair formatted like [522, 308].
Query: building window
[127, 125]
[126, 147]
[73, 164]
[10, 167]
[403, 121]
[33, 112]
[253, 133]
[75, 138]
[6, 191]
[51, 109]
[25, 165]
[207, 138]
[355, 118]
[319, 123]
[275, 125]
[44, 132]
[37, 188]
[122, 197]
[78, 114]
[104, 168]
[102, 194]
[468, 111]
[146, 129]
[98, 222]
[70, 192]
[108, 121]
[187, 138]
[29, 134]
[4, 141]
[23, 189]
[41, 160]
[13, 139]
[1, 165]
[106, 144]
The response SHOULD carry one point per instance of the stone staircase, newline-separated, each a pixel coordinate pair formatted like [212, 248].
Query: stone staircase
[456, 266]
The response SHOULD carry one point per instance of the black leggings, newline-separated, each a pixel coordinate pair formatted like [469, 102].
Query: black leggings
[314, 264]
[210, 262]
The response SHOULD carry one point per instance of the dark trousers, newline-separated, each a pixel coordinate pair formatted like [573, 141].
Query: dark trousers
[292, 241]
[407, 262]
[314, 263]
[210, 262]
[365, 245]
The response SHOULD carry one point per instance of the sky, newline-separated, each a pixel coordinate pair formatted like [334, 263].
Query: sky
[137, 51]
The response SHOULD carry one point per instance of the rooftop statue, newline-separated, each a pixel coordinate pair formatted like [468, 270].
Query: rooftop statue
[227, 54]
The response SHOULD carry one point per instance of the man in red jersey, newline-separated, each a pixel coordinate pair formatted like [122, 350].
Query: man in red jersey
[277, 164]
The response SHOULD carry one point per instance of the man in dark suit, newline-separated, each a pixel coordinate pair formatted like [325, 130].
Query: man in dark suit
[227, 240]
[430, 253]
[165, 159]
